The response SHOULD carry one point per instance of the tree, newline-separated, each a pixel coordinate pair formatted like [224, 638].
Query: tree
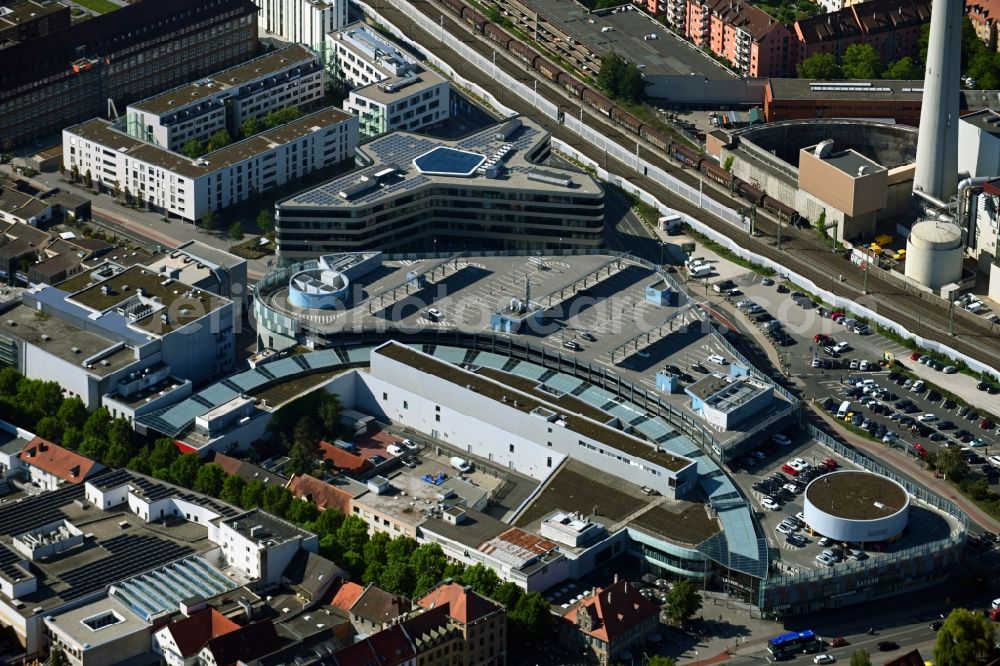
[531, 616]
[128, 195]
[236, 231]
[821, 224]
[728, 163]
[952, 464]
[660, 660]
[276, 500]
[819, 66]
[140, 461]
[98, 424]
[75, 173]
[621, 79]
[116, 455]
[93, 448]
[50, 428]
[253, 494]
[117, 190]
[209, 480]
[482, 579]
[966, 637]
[375, 557]
[861, 658]
[220, 139]
[903, 69]
[328, 413]
[349, 540]
[301, 511]
[250, 126]
[683, 601]
[57, 658]
[88, 179]
[164, 453]
[193, 149]
[232, 489]
[397, 577]
[71, 413]
[184, 470]
[861, 61]
[428, 563]
[120, 434]
[140, 199]
[507, 594]
[265, 222]
[208, 221]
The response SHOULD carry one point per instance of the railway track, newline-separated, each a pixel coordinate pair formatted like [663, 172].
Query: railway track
[801, 252]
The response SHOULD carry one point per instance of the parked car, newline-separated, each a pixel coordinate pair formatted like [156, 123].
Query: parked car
[572, 345]
[823, 659]
[781, 439]
[770, 504]
[887, 646]
[588, 336]
[839, 641]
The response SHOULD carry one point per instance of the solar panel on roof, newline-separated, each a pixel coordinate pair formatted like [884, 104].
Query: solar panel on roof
[448, 162]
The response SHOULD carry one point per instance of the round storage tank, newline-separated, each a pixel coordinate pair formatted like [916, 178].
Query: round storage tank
[855, 506]
[934, 253]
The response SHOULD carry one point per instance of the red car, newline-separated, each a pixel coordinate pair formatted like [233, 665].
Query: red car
[831, 463]
[986, 424]
[821, 338]
[995, 614]
[789, 470]
[839, 641]
[915, 356]
[919, 448]
[836, 314]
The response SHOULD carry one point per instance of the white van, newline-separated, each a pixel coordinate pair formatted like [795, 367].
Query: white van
[461, 464]
[701, 270]
[996, 603]
[844, 408]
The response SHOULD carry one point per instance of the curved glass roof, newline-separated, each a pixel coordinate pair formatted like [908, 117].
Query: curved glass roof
[444, 161]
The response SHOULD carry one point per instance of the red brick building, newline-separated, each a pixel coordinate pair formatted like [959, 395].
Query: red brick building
[892, 27]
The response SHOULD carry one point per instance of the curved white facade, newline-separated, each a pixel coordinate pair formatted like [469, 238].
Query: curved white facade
[934, 253]
[840, 528]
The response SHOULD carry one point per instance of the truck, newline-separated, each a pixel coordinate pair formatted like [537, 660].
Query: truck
[883, 239]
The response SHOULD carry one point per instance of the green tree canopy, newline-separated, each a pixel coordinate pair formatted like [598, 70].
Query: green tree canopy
[966, 637]
[861, 658]
[209, 480]
[192, 149]
[482, 579]
[208, 220]
[683, 601]
[220, 139]
[376, 556]
[265, 222]
[184, 470]
[253, 495]
[232, 490]
[821, 66]
[531, 617]
[507, 594]
[660, 660]
[71, 412]
[952, 464]
[903, 69]
[276, 500]
[236, 231]
[861, 61]
[428, 563]
[621, 79]
[50, 428]
[250, 126]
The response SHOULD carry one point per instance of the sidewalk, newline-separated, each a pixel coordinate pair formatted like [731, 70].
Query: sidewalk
[902, 461]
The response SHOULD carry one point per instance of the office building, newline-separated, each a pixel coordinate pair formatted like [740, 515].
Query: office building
[68, 75]
[109, 330]
[979, 144]
[488, 189]
[303, 21]
[389, 90]
[31, 19]
[178, 186]
[288, 77]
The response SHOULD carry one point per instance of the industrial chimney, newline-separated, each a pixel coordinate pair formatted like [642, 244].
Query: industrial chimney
[937, 145]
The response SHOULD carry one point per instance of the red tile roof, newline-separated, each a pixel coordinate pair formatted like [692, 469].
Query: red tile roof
[389, 647]
[191, 633]
[613, 611]
[57, 461]
[346, 595]
[342, 459]
[465, 605]
[323, 494]
[244, 644]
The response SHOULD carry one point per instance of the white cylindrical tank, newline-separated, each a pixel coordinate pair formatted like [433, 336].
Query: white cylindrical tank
[934, 253]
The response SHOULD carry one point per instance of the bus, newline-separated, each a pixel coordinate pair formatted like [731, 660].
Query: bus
[794, 642]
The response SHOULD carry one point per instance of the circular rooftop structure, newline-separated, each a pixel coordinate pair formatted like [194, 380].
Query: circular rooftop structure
[888, 145]
[317, 288]
[856, 506]
[444, 161]
[934, 253]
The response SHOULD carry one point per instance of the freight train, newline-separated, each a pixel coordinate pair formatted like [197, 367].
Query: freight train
[553, 72]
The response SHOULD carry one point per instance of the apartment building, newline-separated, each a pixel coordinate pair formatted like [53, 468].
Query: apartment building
[68, 75]
[484, 188]
[177, 186]
[389, 90]
[756, 44]
[892, 27]
[984, 14]
[289, 77]
[303, 21]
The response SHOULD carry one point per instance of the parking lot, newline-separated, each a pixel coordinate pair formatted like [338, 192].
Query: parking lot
[777, 479]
